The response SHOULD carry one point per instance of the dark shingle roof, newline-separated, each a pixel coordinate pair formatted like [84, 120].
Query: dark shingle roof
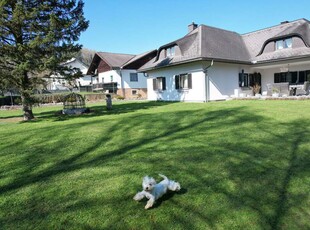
[255, 40]
[223, 45]
[206, 43]
[115, 60]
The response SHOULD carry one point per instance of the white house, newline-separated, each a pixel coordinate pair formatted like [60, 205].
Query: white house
[117, 73]
[214, 64]
[58, 83]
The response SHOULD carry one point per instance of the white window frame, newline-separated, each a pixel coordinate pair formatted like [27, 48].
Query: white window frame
[284, 43]
[170, 52]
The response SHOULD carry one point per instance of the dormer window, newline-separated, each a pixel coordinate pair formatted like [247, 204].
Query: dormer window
[170, 52]
[284, 43]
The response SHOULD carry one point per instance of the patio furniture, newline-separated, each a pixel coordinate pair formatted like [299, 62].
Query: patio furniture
[281, 88]
[304, 89]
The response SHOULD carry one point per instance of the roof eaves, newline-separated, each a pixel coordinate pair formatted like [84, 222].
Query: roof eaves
[194, 60]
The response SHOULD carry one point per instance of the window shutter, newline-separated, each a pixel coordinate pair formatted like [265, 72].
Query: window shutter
[154, 84]
[240, 79]
[164, 83]
[189, 80]
[177, 81]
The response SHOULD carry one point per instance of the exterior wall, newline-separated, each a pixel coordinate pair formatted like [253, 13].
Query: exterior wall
[84, 81]
[108, 77]
[141, 93]
[78, 64]
[124, 85]
[60, 84]
[224, 79]
[197, 93]
[141, 83]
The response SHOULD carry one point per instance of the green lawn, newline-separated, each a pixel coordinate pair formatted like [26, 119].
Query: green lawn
[241, 165]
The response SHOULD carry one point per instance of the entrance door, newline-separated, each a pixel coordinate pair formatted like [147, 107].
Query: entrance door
[255, 79]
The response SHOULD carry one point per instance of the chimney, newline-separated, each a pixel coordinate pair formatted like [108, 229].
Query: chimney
[284, 22]
[191, 27]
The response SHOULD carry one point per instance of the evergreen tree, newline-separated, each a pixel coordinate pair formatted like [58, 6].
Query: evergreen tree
[35, 38]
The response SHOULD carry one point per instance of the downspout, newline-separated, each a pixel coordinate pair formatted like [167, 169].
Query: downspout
[122, 81]
[207, 84]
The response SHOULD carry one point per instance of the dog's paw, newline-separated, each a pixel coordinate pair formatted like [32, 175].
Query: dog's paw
[138, 197]
[147, 206]
[177, 187]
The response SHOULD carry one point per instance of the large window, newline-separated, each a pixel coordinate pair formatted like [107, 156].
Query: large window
[159, 83]
[183, 81]
[284, 43]
[133, 77]
[170, 52]
[292, 77]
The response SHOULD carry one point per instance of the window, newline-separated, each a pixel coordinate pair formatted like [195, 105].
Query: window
[111, 78]
[133, 77]
[243, 80]
[283, 44]
[249, 80]
[170, 52]
[134, 92]
[159, 83]
[290, 77]
[183, 81]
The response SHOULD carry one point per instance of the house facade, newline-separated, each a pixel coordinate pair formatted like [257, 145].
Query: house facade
[58, 83]
[215, 64]
[117, 73]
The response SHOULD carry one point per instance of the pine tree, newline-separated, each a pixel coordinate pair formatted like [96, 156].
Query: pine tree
[35, 38]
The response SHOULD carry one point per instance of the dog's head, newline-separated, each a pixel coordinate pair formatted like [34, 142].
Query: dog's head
[148, 183]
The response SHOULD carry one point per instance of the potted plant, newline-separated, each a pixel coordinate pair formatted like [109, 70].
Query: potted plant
[275, 92]
[256, 89]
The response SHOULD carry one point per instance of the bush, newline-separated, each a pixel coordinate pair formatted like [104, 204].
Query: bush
[119, 97]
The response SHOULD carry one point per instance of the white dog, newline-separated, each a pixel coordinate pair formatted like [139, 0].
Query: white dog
[153, 191]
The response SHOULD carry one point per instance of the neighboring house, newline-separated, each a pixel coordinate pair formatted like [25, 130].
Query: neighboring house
[117, 73]
[215, 64]
[58, 83]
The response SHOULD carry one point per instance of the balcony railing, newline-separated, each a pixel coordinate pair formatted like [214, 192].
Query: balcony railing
[105, 87]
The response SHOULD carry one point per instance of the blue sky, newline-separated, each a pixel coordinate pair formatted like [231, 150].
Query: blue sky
[137, 26]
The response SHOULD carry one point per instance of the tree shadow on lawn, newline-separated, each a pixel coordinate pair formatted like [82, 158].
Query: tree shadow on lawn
[261, 177]
[101, 110]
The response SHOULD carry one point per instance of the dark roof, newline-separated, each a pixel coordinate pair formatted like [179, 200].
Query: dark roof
[255, 41]
[223, 44]
[207, 43]
[139, 60]
[116, 60]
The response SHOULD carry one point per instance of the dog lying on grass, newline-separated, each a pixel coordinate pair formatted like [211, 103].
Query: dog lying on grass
[153, 191]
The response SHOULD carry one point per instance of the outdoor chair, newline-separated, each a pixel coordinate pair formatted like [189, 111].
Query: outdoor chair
[304, 90]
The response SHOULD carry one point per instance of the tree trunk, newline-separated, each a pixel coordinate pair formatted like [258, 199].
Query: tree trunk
[26, 98]
[27, 107]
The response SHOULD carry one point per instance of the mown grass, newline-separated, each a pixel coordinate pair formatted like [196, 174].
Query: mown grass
[241, 165]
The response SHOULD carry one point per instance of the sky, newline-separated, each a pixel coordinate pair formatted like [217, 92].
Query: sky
[138, 26]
